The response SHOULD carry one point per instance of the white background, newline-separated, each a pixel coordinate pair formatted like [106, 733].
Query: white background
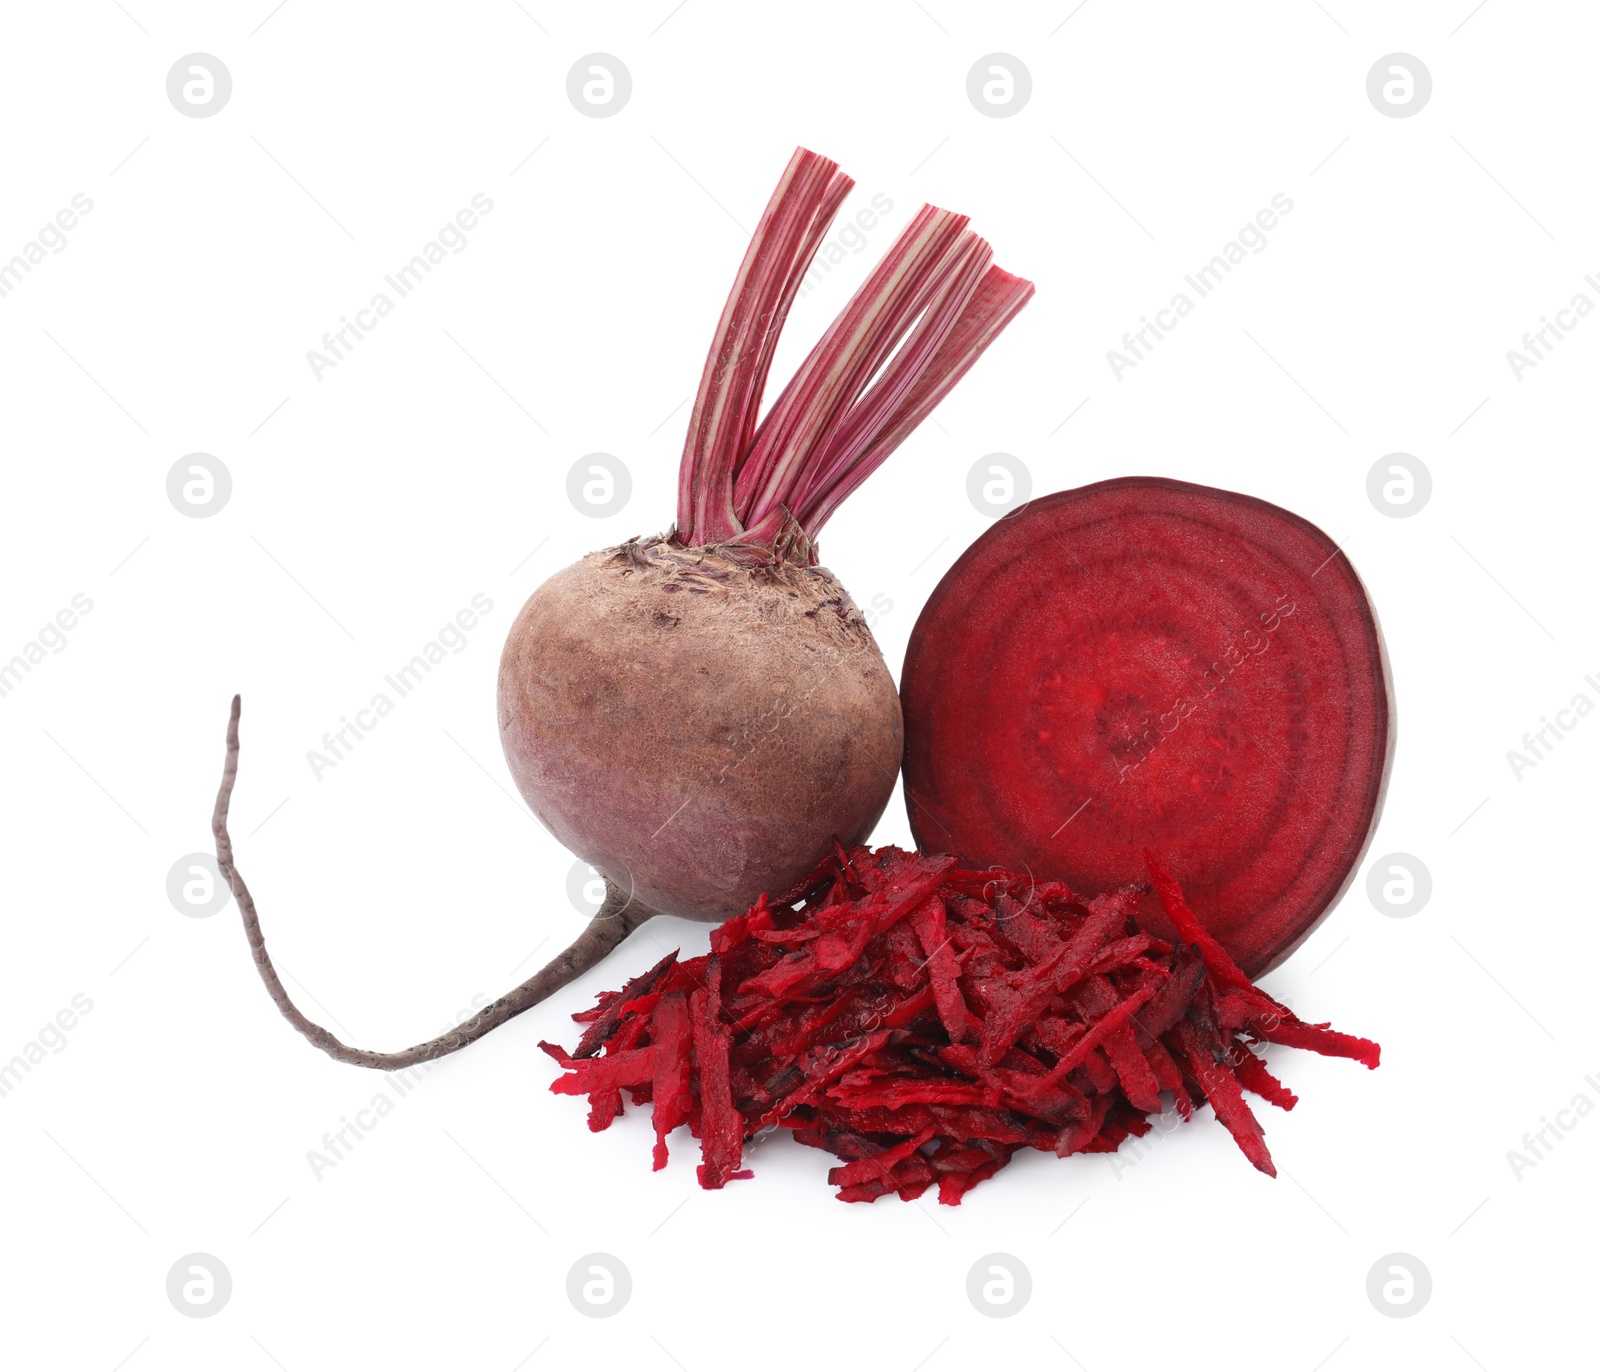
[430, 465]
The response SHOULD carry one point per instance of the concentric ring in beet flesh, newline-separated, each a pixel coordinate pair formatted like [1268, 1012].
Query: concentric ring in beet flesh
[1145, 663]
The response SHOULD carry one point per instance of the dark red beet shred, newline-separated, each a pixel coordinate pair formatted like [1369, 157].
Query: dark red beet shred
[922, 1023]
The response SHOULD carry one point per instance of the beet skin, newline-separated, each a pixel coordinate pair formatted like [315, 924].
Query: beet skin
[698, 727]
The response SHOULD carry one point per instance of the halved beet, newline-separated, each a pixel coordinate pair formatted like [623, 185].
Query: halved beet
[1149, 664]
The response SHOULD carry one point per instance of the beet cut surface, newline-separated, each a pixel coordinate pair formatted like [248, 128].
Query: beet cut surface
[923, 1023]
[1148, 663]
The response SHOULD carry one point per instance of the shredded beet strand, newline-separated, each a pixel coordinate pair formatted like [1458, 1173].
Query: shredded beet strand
[922, 1023]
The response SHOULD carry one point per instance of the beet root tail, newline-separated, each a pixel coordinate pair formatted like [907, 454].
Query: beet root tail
[619, 915]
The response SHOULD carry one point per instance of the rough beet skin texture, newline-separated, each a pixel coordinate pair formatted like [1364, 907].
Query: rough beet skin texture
[698, 727]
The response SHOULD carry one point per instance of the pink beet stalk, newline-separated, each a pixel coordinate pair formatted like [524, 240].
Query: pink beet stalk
[991, 307]
[735, 373]
[919, 321]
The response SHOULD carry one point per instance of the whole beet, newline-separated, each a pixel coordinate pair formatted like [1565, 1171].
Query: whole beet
[699, 727]
[700, 716]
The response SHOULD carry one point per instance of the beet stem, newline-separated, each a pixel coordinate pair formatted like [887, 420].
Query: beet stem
[619, 915]
[909, 333]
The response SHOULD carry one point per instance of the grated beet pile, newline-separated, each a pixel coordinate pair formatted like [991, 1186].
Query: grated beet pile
[922, 1023]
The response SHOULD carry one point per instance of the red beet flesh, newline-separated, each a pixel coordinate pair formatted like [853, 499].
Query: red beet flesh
[924, 1023]
[1145, 663]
